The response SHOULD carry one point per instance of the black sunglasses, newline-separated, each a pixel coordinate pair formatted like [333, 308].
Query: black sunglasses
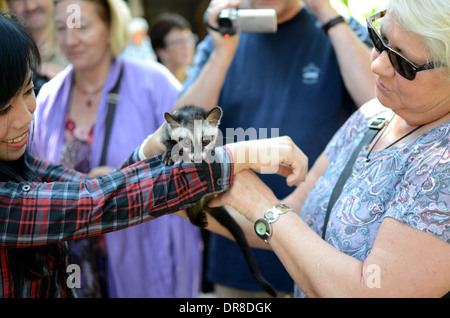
[401, 64]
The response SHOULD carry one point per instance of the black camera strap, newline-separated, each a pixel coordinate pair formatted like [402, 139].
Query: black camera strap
[374, 127]
[113, 99]
[206, 22]
[226, 29]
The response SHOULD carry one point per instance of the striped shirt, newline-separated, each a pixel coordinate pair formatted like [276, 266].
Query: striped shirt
[36, 218]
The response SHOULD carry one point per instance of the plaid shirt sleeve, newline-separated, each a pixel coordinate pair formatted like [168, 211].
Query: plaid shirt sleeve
[67, 205]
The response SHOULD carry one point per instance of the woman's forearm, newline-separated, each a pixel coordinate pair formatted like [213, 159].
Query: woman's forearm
[317, 268]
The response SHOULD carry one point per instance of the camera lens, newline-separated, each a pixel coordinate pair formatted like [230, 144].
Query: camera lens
[225, 23]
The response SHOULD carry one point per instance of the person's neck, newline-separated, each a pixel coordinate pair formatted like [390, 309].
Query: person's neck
[290, 12]
[91, 79]
[179, 71]
[180, 74]
[430, 123]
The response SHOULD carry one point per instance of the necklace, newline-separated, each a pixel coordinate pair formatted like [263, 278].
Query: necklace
[90, 95]
[396, 141]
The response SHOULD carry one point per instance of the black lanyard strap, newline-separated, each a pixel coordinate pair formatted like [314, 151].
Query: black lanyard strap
[374, 127]
[113, 99]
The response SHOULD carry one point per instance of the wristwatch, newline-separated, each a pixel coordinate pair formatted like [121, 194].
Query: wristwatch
[263, 226]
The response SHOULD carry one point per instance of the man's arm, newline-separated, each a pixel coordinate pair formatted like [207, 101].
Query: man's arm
[211, 62]
[352, 53]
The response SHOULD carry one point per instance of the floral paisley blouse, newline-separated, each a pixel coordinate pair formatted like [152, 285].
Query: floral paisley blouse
[409, 182]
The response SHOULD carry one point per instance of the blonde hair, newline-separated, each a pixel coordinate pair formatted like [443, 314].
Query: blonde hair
[3, 4]
[430, 20]
[52, 51]
[116, 15]
[120, 18]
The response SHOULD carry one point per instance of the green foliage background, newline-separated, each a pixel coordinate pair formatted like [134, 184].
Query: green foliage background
[359, 9]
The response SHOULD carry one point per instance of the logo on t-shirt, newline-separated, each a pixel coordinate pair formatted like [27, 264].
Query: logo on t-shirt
[311, 74]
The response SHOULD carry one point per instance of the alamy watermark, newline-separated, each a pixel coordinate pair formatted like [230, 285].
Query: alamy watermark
[73, 21]
[191, 148]
[74, 278]
[373, 276]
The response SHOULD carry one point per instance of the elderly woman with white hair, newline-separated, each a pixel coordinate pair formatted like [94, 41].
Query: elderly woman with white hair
[373, 216]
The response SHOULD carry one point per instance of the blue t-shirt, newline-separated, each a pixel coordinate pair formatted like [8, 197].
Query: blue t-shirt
[287, 83]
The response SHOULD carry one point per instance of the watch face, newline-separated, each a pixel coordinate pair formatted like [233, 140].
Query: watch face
[260, 228]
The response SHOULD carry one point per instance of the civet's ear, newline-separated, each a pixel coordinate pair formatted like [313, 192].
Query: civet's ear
[171, 120]
[214, 116]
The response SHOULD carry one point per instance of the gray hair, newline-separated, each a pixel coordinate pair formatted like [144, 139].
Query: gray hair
[430, 20]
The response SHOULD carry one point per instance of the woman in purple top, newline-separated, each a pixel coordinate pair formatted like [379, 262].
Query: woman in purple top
[388, 233]
[70, 128]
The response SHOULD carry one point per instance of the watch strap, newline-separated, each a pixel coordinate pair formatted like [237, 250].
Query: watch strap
[327, 26]
[270, 216]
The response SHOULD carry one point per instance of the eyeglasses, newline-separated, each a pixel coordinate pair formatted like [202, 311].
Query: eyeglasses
[191, 40]
[401, 64]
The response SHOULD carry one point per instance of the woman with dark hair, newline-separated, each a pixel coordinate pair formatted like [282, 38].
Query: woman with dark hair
[43, 205]
[19, 56]
[174, 43]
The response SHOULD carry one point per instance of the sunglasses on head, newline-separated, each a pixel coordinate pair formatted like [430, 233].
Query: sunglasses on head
[401, 64]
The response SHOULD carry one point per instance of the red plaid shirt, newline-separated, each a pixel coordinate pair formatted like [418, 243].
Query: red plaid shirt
[37, 218]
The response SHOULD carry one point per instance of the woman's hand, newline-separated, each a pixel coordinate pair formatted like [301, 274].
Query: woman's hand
[276, 155]
[249, 195]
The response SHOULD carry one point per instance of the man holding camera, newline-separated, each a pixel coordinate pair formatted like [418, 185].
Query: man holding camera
[302, 80]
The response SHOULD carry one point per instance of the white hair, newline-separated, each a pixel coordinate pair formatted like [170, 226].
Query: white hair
[138, 24]
[430, 20]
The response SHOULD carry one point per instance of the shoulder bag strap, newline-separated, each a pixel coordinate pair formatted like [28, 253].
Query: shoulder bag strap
[374, 127]
[113, 99]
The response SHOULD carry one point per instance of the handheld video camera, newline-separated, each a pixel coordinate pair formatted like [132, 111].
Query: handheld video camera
[232, 20]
